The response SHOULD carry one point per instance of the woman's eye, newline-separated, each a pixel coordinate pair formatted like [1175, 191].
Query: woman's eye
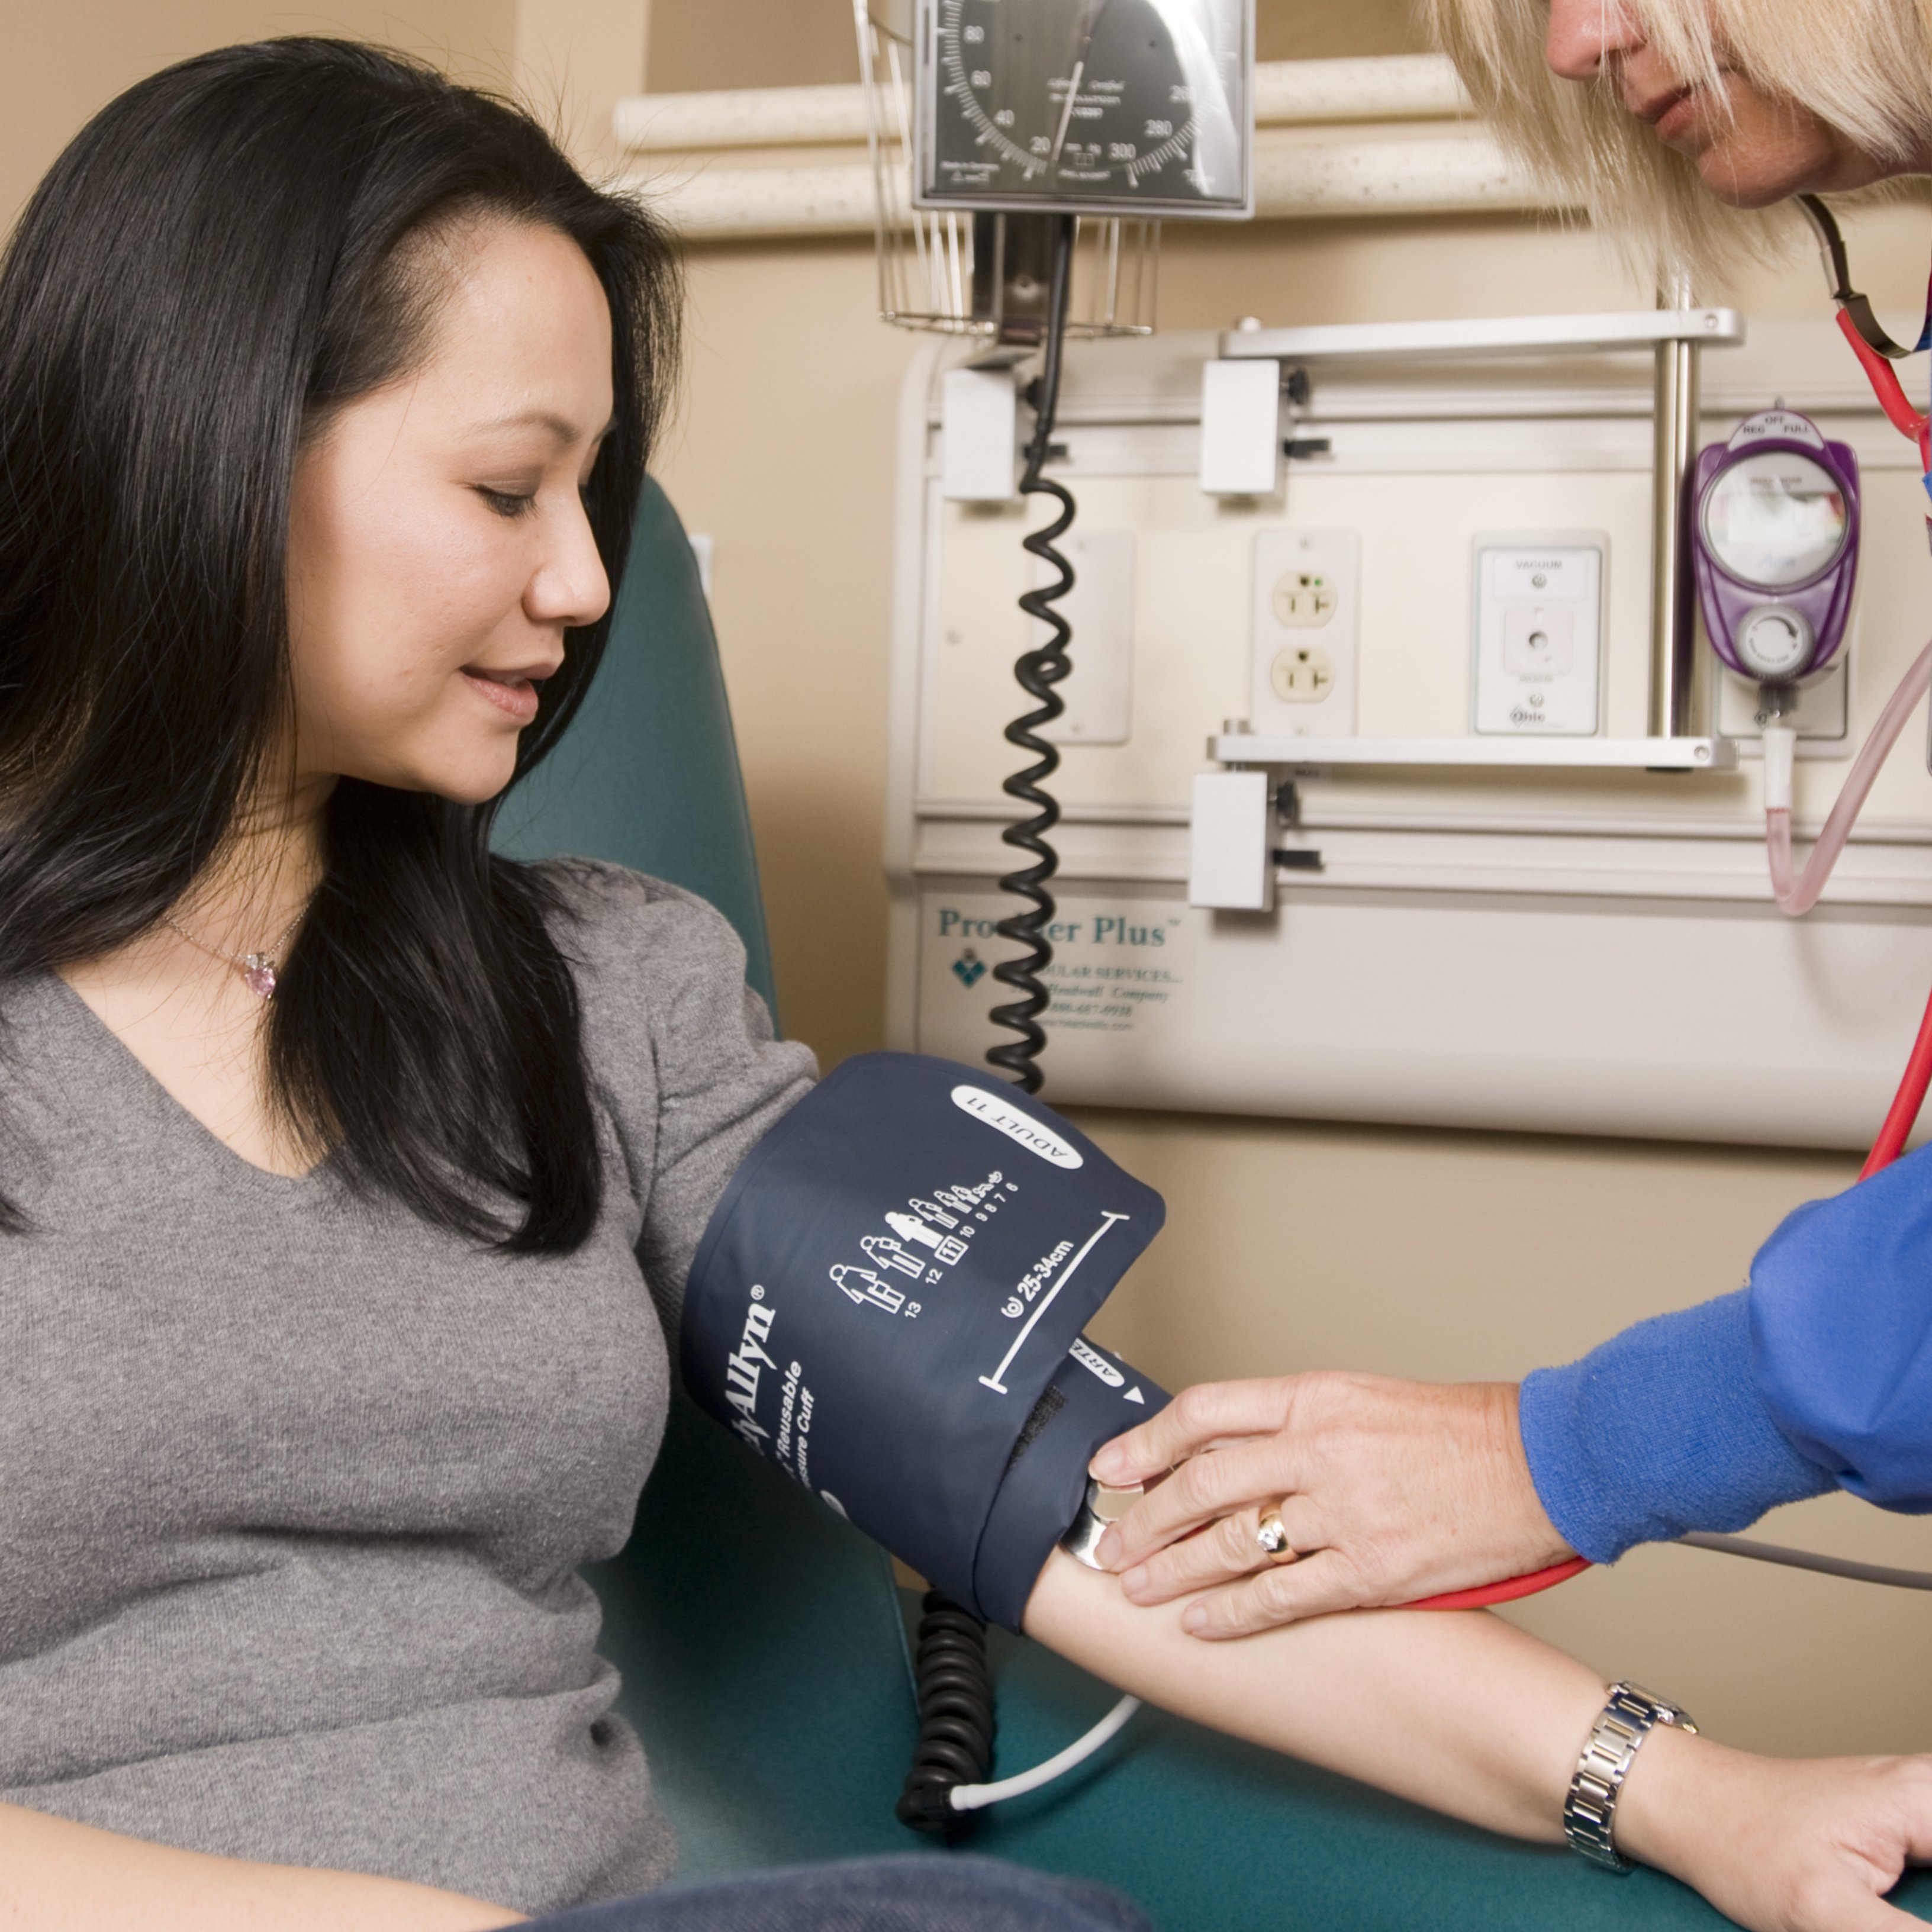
[505, 502]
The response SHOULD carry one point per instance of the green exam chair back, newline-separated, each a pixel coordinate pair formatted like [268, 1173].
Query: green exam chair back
[761, 1640]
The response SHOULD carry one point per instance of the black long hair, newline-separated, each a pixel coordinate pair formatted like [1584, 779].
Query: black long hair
[212, 267]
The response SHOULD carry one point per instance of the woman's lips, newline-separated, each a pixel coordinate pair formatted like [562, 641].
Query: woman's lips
[1672, 115]
[1675, 120]
[515, 696]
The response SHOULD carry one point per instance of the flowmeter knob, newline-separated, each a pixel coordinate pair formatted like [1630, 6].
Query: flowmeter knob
[1775, 641]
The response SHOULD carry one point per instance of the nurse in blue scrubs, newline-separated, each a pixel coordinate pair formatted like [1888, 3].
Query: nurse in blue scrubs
[1672, 127]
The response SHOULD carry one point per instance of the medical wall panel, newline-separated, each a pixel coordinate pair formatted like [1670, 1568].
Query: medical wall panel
[1579, 950]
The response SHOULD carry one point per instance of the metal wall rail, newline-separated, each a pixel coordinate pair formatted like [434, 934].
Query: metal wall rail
[1399, 87]
[689, 147]
[1676, 333]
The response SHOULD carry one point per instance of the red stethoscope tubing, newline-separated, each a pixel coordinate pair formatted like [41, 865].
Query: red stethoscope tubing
[1506, 1591]
[1906, 1103]
[1899, 1121]
[1885, 385]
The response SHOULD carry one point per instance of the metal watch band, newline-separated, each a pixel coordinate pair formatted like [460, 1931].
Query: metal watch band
[1590, 1810]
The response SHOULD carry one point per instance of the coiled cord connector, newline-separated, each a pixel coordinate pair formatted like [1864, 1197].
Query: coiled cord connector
[1037, 672]
[954, 1691]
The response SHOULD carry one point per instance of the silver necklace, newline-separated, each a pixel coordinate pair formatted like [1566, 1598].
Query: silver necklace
[257, 969]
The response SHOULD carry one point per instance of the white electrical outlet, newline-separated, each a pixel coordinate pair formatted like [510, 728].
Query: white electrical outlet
[1306, 630]
[1539, 632]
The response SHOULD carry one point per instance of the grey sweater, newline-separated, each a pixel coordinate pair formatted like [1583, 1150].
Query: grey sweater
[294, 1489]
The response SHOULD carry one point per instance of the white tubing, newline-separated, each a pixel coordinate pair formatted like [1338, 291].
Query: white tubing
[1797, 897]
[975, 1797]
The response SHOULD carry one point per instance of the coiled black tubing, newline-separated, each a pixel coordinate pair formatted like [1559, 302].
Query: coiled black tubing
[1037, 672]
[954, 1691]
[953, 1686]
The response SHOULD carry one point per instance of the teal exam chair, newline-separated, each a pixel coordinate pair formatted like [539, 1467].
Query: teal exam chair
[762, 1641]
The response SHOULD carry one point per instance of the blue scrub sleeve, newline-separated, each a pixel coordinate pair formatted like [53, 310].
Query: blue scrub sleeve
[1818, 1374]
[1841, 1334]
[1660, 1430]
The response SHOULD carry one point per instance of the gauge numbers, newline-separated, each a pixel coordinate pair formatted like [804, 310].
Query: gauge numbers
[1109, 106]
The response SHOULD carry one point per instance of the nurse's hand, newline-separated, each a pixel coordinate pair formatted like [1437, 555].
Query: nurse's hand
[1395, 1490]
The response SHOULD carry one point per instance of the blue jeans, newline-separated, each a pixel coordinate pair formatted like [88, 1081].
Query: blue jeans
[903, 1894]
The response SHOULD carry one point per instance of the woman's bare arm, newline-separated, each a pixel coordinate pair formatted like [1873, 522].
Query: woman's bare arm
[1463, 1712]
[55, 1876]
[1466, 1714]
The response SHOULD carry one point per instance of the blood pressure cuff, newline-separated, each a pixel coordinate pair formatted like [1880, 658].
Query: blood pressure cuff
[888, 1302]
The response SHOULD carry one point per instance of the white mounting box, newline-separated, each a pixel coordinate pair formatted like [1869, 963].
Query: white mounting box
[1240, 428]
[1521, 930]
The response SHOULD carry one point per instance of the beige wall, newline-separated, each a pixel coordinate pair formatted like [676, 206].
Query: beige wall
[700, 44]
[1290, 1243]
[61, 61]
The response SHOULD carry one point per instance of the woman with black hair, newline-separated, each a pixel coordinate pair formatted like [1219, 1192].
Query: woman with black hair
[326, 390]
[343, 1161]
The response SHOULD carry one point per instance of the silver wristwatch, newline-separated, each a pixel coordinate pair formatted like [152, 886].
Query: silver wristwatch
[1590, 1811]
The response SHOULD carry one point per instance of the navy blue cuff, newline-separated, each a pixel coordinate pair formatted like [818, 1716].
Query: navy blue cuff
[1659, 1431]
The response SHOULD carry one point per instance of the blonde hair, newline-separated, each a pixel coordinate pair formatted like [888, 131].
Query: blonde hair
[1863, 66]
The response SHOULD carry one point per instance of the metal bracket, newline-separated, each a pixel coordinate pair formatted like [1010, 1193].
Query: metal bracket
[1674, 334]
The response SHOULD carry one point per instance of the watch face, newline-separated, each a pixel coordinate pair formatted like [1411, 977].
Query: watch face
[1118, 106]
[1775, 519]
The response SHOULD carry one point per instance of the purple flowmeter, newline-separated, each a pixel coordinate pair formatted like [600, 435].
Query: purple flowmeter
[1775, 522]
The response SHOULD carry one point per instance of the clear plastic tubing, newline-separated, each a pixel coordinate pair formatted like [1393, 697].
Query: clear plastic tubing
[1797, 896]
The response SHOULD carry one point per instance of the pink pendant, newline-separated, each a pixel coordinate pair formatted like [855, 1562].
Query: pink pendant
[258, 974]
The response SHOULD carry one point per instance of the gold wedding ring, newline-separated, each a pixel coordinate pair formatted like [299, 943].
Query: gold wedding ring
[1272, 1535]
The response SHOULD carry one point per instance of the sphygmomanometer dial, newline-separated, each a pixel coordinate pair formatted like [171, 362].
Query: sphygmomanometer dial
[1114, 106]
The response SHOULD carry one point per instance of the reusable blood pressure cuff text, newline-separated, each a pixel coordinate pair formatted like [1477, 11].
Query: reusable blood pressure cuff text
[888, 1302]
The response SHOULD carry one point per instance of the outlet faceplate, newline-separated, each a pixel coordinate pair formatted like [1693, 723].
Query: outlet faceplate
[1539, 630]
[1098, 692]
[1306, 631]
